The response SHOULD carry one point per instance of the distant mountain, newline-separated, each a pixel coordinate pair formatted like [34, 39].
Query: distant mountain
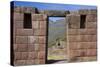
[56, 30]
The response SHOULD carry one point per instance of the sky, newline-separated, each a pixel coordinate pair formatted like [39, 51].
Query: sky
[53, 6]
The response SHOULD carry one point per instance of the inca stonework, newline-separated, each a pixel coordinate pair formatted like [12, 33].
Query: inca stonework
[29, 41]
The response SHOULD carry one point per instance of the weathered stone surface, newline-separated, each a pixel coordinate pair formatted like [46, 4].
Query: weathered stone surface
[73, 31]
[41, 54]
[42, 32]
[39, 17]
[36, 61]
[18, 16]
[91, 25]
[88, 31]
[91, 52]
[85, 12]
[74, 38]
[18, 24]
[21, 39]
[27, 10]
[15, 46]
[42, 39]
[41, 61]
[74, 45]
[35, 24]
[17, 56]
[36, 47]
[73, 21]
[91, 18]
[17, 9]
[20, 62]
[88, 45]
[82, 45]
[39, 32]
[32, 39]
[30, 62]
[24, 55]
[42, 47]
[30, 44]
[32, 55]
[31, 47]
[88, 38]
[22, 47]
[24, 32]
[54, 12]
[36, 32]
[43, 24]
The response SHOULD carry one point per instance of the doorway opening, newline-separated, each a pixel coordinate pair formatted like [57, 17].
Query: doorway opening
[56, 45]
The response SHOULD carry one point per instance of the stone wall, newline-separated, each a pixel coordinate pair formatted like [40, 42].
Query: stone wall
[82, 42]
[28, 46]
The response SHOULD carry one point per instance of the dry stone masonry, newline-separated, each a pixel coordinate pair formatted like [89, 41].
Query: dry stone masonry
[29, 37]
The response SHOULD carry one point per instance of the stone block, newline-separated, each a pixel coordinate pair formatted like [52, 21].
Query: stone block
[74, 21]
[73, 38]
[35, 24]
[91, 52]
[41, 54]
[42, 39]
[17, 9]
[42, 47]
[24, 32]
[22, 47]
[54, 12]
[74, 45]
[18, 24]
[88, 31]
[72, 54]
[17, 56]
[21, 39]
[88, 38]
[19, 62]
[30, 62]
[91, 18]
[36, 61]
[85, 12]
[31, 47]
[24, 55]
[27, 10]
[18, 16]
[36, 32]
[91, 25]
[36, 47]
[41, 61]
[88, 45]
[43, 24]
[32, 55]
[90, 58]
[73, 31]
[15, 47]
[32, 39]
[78, 53]
[42, 32]
[39, 17]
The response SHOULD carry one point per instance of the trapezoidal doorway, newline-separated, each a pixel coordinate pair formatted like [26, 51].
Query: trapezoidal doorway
[56, 45]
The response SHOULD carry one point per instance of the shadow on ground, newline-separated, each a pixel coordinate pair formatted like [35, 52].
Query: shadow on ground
[56, 61]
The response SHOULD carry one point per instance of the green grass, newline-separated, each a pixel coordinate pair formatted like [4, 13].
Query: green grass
[53, 57]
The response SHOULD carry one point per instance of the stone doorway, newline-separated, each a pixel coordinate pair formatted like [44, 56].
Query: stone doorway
[56, 41]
